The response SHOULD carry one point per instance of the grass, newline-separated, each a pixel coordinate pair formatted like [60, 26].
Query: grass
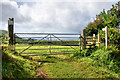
[88, 64]
[65, 67]
[16, 67]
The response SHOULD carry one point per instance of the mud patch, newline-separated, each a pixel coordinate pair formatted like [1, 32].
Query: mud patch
[41, 73]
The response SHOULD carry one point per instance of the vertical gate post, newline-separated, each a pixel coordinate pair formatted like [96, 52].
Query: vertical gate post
[11, 31]
[83, 39]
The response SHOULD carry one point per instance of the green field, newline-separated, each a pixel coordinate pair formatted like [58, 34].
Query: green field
[38, 49]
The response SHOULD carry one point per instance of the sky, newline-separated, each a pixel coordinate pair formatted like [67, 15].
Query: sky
[51, 15]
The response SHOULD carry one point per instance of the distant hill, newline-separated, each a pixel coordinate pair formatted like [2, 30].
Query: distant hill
[3, 32]
[17, 37]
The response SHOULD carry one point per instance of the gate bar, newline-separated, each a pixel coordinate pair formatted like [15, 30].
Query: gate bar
[50, 33]
[47, 54]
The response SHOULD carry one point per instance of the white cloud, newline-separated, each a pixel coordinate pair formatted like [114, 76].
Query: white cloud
[10, 9]
[52, 16]
[65, 0]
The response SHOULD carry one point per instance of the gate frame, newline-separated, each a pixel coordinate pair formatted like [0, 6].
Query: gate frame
[54, 35]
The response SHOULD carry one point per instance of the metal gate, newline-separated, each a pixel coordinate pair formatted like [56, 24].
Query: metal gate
[34, 44]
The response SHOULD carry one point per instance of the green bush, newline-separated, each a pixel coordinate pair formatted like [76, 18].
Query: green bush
[113, 36]
[83, 53]
[106, 58]
[100, 55]
[114, 51]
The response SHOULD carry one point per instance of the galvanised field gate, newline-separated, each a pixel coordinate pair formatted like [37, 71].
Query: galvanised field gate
[34, 44]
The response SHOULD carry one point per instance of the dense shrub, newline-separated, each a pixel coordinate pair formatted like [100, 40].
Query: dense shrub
[107, 58]
[109, 18]
[113, 36]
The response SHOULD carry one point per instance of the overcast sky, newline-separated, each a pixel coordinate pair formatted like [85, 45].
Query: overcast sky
[51, 16]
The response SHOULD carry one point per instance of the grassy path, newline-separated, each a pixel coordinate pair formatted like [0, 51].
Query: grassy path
[52, 67]
[64, 67]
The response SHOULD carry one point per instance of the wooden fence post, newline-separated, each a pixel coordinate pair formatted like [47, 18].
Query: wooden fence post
[94, 41]
[11, 31]
[98, 40]
[106, 35]
[83, 39]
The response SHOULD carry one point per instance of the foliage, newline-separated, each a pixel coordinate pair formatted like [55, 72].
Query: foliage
[108, 59]
[3, 37]
[113, 36]
[83, 53]
[109, 18]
